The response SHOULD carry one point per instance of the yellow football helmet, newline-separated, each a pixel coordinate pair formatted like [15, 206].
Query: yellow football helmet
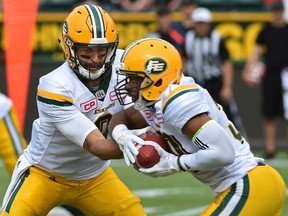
[89, 26]
[157, 62]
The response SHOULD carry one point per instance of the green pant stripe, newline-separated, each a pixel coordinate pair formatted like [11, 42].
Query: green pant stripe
[244, 196]
[15, 191]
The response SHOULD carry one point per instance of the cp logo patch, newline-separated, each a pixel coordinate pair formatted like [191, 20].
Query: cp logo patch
[89, 105]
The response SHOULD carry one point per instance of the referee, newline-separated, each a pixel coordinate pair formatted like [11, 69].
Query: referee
[208, 62]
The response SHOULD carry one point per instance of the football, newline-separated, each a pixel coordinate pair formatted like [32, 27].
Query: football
[148, 155]
[256, 72]
[155, 137]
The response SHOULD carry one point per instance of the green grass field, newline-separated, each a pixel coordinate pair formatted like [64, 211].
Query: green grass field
[177, 195]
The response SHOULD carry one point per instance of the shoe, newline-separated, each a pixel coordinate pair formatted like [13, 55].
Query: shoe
[269, 155]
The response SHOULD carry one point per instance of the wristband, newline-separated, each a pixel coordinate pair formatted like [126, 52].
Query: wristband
[118, 131]
[179, 164]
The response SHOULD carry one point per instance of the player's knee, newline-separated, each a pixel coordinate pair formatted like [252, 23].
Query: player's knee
[131, 206]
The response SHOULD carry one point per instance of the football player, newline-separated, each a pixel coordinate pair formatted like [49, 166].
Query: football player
[12, 142]
[67, 160]
[202, 140]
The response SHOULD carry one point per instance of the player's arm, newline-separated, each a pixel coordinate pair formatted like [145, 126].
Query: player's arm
[83, 132]
[101, 147]
[129, 117]
[56, 109]
[215, 148]
[228, 73]
[254, 57]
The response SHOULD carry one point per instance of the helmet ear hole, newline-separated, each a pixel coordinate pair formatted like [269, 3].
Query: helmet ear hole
[158, 83]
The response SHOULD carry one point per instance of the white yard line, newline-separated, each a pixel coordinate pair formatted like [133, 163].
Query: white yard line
[189, 212]
[157, 192]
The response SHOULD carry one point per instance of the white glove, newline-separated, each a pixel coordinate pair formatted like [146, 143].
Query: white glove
[167, 165]
[127, 139]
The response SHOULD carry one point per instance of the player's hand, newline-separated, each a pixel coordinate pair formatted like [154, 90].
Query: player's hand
[127, 139]
[226, 94]
[167, 165]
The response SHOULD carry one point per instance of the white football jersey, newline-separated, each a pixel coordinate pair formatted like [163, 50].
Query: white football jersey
[180, 103]
[5, 105]
[62, 97]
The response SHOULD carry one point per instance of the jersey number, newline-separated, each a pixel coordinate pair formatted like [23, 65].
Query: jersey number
[102, 124]
[237, 135]
[174, 145]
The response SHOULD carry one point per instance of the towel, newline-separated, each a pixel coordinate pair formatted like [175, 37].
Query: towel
[19, 171]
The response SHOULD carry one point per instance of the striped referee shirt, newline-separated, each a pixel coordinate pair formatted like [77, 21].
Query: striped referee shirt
[204, 55]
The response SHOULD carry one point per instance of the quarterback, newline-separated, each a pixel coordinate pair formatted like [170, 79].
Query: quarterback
[67, 159]
[201, 138]
[12, 142]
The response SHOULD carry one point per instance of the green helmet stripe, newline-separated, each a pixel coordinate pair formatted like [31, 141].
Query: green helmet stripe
[97, 21]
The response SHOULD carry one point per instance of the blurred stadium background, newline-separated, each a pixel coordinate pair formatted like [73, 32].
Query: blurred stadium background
[237, 20]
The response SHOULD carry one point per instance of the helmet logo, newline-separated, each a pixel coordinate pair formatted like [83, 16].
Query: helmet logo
[156, 65]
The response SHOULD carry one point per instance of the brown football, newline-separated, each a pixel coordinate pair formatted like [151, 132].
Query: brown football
[148, 155]
[156, 137]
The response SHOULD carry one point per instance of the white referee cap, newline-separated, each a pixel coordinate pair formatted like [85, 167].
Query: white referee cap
[201, 14]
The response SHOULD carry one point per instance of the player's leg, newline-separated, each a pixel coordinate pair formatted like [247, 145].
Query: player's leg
[35, 194]
[252, 195]
[267, 192]
[272, 107]
[107, 195]
[12, 142]
[269, 130]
